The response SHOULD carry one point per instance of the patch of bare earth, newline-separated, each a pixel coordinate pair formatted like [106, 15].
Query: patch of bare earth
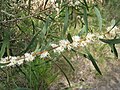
[85, 76]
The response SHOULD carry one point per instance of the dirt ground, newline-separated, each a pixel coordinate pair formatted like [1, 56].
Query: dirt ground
[86, 77]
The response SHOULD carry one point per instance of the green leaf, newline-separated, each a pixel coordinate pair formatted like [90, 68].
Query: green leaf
[21, 88]
[68, 62]
[90, 57]
[20, 28]
[82, 30]
[2, 51]
[29, 6]
[46, 1]
[111, 41]
[97, 12]
[45, 28]
[33, 26]
[85, 3]
[112, 22]
[69, 38]
[31, 42]
[85, 17]
[63, 73]
[5, 43]
[114, 50]
[66, 21]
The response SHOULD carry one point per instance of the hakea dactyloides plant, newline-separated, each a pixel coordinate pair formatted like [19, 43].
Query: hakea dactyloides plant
[63, 45]
[71, 43]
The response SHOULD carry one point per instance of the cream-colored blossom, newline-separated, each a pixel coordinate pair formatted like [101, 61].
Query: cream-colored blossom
[54, 45]
[58, 49]
[90, 37]
[44, 54]
[83, 43]
[76, 38]
[75, 44]
[113, 32]
[13, 61]
[63, 43]
[28, 57]
[20, 61]
[77, 2]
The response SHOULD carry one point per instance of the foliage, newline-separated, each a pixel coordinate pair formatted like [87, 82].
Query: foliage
[27, 26]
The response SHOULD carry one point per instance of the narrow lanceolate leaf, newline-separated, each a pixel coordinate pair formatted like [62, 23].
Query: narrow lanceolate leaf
[114, 24]
[114, 50]
[82, 31]
[29, 6]
[111, 41]
[45, 28]
[97, 12]
[2, 51]
[22, 88]
[33, 26]
[91, 58]
[68, 62]
[69, 38]
[85, 20]
[46, 1]
[31, 42]
[20, 28]
[66, 21]
[63, 73]
[85, 3]
[5, 43]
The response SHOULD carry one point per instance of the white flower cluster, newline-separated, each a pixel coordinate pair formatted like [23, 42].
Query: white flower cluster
[89, 39]
[76, 3]
[13, 60]
[63, 45]
[18, 60]
[77, 42]
[113, 32]
[44, 54]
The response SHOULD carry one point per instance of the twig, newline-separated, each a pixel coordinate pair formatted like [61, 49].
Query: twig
[16, 19]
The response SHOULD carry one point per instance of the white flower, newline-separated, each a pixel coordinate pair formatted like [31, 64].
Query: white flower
[113, 31]
[54, 45]
[52, 1]
[44, 54]
[83, 43]
[71, 3]
[90, 38]
[63, 43]
[77, 2]
[3, 61]
[20, 61]
[75, 44]
[69, 47]
[29, 57]
[76, 38]
[13, 61]
[58, 49]
[100, 36]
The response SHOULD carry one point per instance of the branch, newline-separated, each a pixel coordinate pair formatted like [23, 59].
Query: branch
[16, 19]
